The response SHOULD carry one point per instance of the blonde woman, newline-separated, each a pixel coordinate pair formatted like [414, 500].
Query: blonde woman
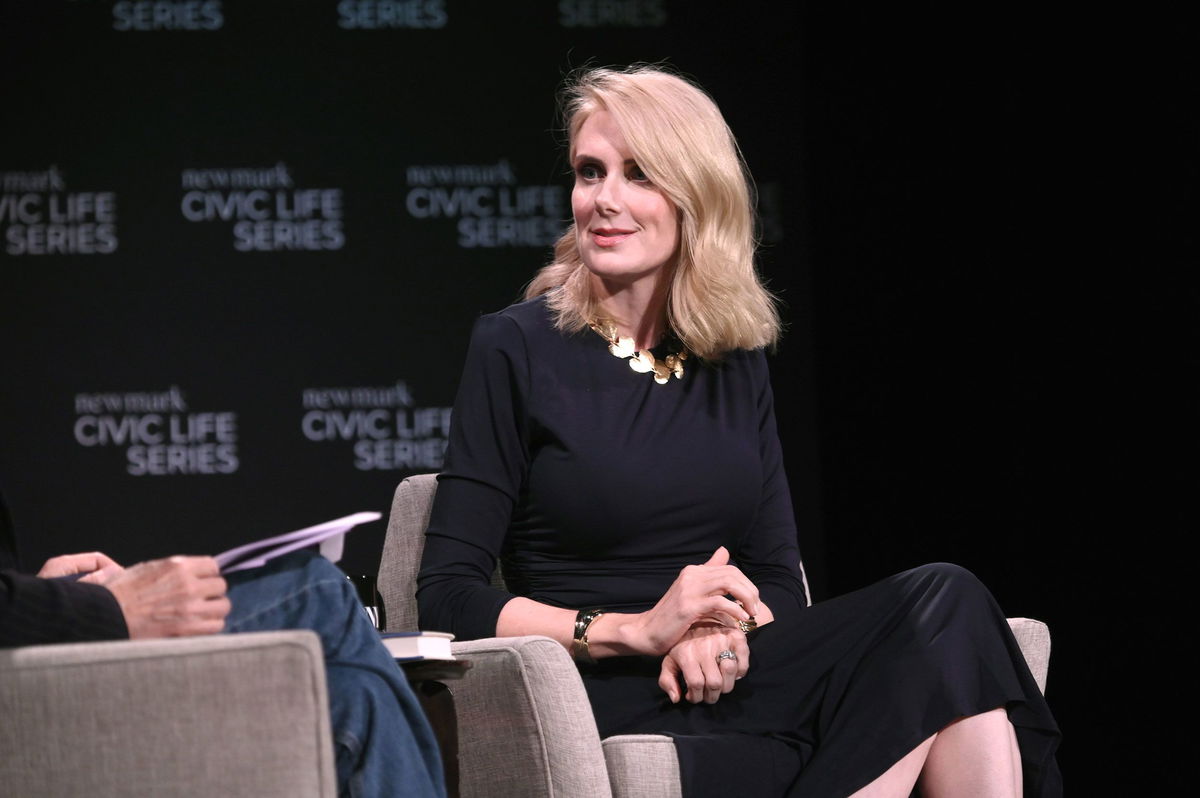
[614, 446]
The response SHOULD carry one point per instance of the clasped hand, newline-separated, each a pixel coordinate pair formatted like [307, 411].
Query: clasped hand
[173, 597]
[695, 663]
[694, 622]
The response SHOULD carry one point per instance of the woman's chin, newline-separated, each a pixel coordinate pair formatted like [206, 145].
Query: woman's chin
[616, 270]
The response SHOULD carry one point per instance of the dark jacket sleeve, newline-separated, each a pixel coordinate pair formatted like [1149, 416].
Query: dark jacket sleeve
[769, 552]
[34, 610]
[486, 463]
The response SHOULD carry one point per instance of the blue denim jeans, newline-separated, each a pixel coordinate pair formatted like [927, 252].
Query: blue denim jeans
[383, 743]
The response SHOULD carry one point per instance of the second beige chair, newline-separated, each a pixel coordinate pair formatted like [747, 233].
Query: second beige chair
[525, 726]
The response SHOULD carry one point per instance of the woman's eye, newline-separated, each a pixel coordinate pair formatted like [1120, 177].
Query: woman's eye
[587, 171]
[636, 173]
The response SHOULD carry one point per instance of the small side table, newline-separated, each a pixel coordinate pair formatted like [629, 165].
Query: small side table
[427, 678]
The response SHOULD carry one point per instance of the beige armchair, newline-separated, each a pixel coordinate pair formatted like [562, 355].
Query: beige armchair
[224, 715]
[524, 723]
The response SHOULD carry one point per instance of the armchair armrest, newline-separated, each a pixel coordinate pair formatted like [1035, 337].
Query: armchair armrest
[1034, 639]
[524, 722]
[238, 715]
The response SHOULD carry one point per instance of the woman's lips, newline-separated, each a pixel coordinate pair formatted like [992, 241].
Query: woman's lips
[609, 236]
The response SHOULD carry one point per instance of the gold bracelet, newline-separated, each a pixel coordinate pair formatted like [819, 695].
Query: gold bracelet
[579, 646]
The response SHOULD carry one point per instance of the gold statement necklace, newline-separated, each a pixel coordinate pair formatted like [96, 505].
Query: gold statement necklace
[640, 360]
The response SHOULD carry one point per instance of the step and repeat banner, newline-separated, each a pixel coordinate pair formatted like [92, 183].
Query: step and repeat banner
[242, 244]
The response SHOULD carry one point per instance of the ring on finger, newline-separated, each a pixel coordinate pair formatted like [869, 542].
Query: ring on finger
[726, 654]
[748, 626]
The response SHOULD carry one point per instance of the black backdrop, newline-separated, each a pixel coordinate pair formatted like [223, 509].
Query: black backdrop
[247, 242]
[242, 245]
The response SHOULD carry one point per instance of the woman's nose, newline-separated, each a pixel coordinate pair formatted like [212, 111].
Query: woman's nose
[608, 198]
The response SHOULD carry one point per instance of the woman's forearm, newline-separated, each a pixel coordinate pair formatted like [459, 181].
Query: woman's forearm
[613, 634]
[610, 635]
[522, 616]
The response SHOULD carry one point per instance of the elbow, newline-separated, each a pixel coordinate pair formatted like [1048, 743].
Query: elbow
[464, 611]
[432, 604]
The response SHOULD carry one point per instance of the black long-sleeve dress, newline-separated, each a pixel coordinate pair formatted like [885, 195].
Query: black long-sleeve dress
[594, 486]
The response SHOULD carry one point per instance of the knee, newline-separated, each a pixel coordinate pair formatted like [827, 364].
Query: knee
[312, 569]
[301, 566]
[948, 578]
[309, 573]
[945, 572]
[316, 566]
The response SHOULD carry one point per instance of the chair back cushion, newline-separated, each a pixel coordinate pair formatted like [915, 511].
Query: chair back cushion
[402, 549]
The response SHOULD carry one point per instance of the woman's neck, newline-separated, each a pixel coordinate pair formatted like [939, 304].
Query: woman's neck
[639, 309]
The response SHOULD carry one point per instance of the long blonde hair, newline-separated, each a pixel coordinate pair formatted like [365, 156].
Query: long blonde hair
[716, 302]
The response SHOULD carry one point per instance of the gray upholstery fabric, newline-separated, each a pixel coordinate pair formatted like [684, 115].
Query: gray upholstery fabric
[228, 715]
[642, 766]
[402, 548]
[525, 726]
[1034, 639]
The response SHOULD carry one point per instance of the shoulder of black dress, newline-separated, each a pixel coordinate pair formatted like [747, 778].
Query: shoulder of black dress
[529, 315]
[741, 358]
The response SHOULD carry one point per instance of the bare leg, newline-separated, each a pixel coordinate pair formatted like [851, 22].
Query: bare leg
[974, 757]
[898, 780]
[1018, 776]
